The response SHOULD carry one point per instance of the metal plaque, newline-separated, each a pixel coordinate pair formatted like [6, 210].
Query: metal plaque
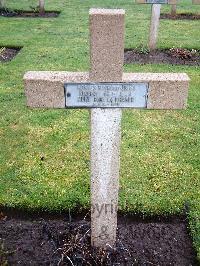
[157, 1]
[106, 95]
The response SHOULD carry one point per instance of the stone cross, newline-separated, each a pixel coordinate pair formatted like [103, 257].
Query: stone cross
[41, 7]
[2, 3]
[173, 10]
[155, 18]
[105, 89]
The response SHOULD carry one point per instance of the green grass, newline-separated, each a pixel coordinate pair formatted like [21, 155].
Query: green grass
[160, 149]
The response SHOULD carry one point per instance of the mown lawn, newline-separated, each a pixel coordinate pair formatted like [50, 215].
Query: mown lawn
[44, 154]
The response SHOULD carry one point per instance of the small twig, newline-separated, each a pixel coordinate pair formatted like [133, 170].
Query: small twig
[86, 215]
[151, 263]
[70, 260]
[57, 250]
[109, 246]
[62, 257]
[84, 235]
[71, 248]
[127, 250]
[70, 217]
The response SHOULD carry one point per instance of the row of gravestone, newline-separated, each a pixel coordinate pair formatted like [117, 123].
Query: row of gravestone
[155, 17]
[105, 89]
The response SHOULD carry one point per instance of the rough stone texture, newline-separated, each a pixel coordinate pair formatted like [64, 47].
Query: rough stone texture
[106, 61]
[105, 165]
[166, 90]
[106, 44]
[196, 2]
[45, 89]
[170, 2]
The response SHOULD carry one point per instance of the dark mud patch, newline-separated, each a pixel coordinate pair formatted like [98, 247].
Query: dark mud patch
[28, 14]
[174, 56]
[65, 240]
[8, 53]
[180, 16]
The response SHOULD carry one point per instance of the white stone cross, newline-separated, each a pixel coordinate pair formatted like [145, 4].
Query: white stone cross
[173, 10]
[105, 86]
[155, 18]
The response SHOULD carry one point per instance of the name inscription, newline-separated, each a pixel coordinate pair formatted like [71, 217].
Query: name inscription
[105, 95]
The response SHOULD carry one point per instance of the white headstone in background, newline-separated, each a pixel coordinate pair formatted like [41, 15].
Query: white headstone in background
[155, 18]
[154, 26]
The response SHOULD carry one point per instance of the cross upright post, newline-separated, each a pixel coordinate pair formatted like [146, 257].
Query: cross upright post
[107, 56]
[105, 89]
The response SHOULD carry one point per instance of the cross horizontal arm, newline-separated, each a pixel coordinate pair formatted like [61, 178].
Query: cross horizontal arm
[45, 89]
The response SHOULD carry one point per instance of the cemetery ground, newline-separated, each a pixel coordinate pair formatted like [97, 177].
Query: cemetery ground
[45, 157]
[181, 16]
[28, 14]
